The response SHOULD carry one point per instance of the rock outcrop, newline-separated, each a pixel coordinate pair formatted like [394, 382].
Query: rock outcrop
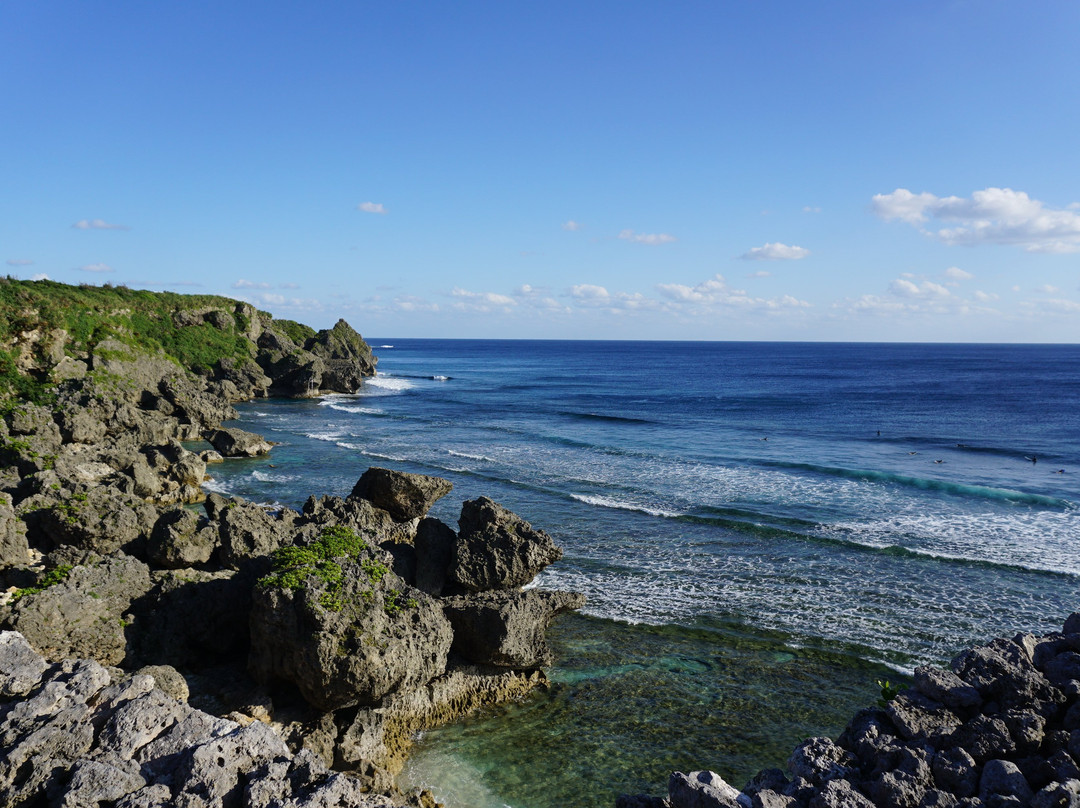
[155, 655]
[999, 728]
[496, 549]
[77, 734]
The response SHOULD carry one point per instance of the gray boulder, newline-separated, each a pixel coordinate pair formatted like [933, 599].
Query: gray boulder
[404, 496]
[21, 667]
[83, 614]
[361, 516]
[497, 549]
[702, 789]
[96, 520]
[946, 687]
[247, 530]
[507, 629]
[346, 634]
[1002, 777]
[819, 760]
[180, 539]
[232, 442]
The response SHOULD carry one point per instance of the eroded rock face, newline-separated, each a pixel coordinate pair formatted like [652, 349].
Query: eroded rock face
[181, 539]
[248, 531]
[83, 614]
[404, 496]
[507, 628]
[497, 549]
[14, 550]
[71, 735]
[351, 645]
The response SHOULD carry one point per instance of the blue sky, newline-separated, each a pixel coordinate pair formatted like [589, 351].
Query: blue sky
[684, 170]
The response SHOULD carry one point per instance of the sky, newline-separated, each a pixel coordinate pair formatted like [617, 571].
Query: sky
[720, 170]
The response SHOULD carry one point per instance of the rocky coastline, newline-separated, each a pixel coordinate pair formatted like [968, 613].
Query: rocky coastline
[163, 646]
[1000, 728]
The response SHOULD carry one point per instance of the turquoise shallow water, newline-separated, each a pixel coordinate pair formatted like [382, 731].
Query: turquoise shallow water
[630, 704]
[758, 528]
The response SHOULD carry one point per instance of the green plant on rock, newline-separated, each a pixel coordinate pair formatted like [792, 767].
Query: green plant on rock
[293, 566]
[889, 692]
[51, 578]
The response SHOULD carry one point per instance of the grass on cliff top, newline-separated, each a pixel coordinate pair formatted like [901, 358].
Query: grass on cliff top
[141, 319]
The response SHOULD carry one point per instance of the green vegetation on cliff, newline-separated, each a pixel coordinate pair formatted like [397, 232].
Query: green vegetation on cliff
[32, 313]
[42, 323]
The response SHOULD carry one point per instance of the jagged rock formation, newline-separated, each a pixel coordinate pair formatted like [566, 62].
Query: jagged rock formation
[324, 632]
[999, 728]
[336, 632]
[77, 734]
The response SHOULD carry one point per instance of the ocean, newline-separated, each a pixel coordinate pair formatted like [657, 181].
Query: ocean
[763, 530]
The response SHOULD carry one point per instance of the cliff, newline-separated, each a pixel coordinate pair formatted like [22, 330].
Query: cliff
[156, 654]
[50, 332]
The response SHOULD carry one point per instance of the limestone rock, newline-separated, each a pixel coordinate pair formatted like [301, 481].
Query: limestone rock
[507, 629]
[14, 549]
[232, 442]
[180, 540]
[404, 496]
[348, 639]
[83, 615]
[702, 789]
[497, 549]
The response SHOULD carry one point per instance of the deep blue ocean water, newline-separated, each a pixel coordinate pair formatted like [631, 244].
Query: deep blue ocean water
[774, 511]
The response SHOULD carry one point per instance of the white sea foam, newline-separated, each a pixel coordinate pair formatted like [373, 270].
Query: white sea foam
[386, 385]
[356, 447]
[386, 346]
[467, 456]
[440, 378]
[330, 437]
[355, 410]
[268, 477]
[607, 502]
[217, 486]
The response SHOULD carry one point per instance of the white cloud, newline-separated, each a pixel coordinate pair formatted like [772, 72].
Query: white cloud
[647, 238]
[371, 207]
[761, 273]
[957, 274]
[811, 209]
[282, 302]
[40, 276]
[96, 268]
[245, 284]
[481, 301]
[1058, 306]
[1047, 289]
[288, 286]
[571, 225]
[716, 292]
[989, 216]
[927, 290]
[587, 291]
[985, 297]
[19, 262]
[775, 251]
[98, 224]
